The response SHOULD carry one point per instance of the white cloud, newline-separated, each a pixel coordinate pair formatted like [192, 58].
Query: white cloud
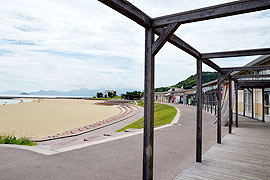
[63, 45]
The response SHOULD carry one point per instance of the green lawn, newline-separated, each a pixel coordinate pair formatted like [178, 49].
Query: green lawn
[163, 114]
[6, 139]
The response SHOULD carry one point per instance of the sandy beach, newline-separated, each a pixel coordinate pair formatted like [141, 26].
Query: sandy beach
[50, 116]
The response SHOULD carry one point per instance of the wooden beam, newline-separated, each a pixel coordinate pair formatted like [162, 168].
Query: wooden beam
[230, 106]
[176, 41]
[227, 74]
[246, 68]
[253, 83]
[249, 90]
[250, 52]
[164, 36]
[250, 76]
[219, 108]
[212, 64]
[212, 12]
[129, 10]
[148, 143]
[199, 113]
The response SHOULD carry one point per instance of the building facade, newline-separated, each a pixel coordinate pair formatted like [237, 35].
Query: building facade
[252, 102]
[112, 91]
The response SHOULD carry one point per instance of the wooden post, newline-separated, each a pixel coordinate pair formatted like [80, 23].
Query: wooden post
[148, 143]
[219, 109]
[263, 115]
[205, 101]
[230, 106]
[236, 104]
[199, 113]
[252, 104]
[211, 103]
[215, 103]
[244, 102]
[208, 102]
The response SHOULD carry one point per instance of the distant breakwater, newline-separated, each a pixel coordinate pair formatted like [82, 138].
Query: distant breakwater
[12, 101]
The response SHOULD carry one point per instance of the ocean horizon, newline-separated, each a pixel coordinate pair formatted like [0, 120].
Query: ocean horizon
[40, 96]
[15, 99]
[12, 101]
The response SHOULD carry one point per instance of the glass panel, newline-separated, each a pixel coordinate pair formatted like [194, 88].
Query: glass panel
[248, 102]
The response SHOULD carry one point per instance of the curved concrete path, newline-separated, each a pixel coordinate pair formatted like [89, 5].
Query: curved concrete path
[95, 135]
[174, 150]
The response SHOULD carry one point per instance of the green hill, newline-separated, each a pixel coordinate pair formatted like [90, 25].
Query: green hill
[191, 81]
[162, 89]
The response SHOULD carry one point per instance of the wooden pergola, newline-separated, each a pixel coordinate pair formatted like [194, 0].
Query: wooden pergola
[164, 27]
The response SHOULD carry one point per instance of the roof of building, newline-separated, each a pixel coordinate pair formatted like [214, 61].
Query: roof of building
[256, 62]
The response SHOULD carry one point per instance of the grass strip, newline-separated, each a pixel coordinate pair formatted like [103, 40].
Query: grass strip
[163, 114]
[6, 139]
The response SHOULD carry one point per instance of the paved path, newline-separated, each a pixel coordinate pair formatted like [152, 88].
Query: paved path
[174, 151]
[245, 154]
[93, 135]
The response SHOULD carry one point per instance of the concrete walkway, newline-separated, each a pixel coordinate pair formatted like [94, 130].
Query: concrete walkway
[93, 135]
[174, 151]
[245, 154]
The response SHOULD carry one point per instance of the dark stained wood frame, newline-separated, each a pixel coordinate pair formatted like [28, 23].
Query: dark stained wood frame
[164, 27]
[230, 106]
[236, 104]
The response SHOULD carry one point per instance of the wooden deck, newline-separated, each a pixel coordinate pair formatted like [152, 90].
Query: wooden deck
[245, 154]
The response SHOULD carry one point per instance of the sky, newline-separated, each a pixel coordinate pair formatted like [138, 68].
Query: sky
[70, 44]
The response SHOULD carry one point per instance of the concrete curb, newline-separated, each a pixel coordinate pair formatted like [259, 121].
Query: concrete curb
[177, 117]
[37, 149]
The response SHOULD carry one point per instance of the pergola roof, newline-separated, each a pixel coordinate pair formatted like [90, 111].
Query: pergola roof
[164, 27]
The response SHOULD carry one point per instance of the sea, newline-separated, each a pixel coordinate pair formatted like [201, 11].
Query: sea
[10, 99]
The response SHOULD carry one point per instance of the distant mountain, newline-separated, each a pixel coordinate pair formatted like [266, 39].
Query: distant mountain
[11, 92]
[77, 92]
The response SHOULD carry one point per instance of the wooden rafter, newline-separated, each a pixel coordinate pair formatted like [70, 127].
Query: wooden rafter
[178, 42]
[164, 36]
[250, 52]
[250, 76]
[253, 83]
[246, 68]
[129, 10]
[212, 12]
